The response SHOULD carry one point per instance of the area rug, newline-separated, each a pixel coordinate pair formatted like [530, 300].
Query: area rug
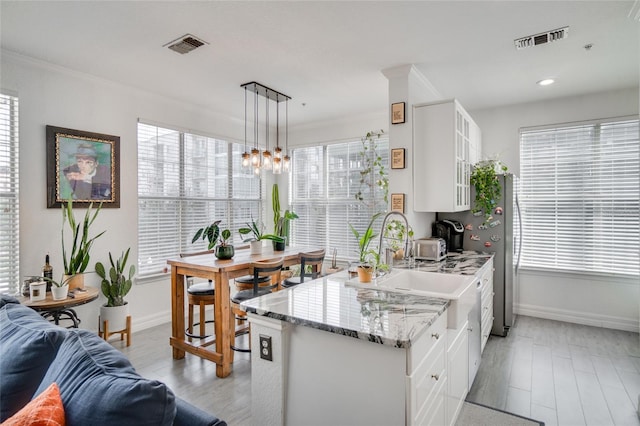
[473, 414]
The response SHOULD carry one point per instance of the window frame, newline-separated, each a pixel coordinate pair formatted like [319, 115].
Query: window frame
[589, 260]
[186, 195]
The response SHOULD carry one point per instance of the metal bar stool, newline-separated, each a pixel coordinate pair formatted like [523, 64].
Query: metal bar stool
[201, 295]
[313, 259]
[270, 269]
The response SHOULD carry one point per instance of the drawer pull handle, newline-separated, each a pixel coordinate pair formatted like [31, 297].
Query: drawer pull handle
[435, 335]
[486, 307]
[470, 329]
[435, 376]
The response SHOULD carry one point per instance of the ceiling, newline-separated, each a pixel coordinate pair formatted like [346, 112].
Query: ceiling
[328, 56]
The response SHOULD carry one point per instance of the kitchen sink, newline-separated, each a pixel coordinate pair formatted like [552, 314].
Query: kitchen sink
[460, 289]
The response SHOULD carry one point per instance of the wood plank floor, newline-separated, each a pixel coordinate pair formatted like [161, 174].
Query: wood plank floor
[562, 373]
[559, 373]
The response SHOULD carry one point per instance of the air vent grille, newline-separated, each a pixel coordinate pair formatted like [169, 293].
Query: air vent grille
[542, 38]
[185, 44]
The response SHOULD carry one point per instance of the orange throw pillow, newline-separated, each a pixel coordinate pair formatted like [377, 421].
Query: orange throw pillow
[44, 410]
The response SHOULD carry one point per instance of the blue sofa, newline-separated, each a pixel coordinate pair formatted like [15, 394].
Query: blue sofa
[98, 385]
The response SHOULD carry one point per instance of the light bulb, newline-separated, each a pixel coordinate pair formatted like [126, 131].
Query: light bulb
[286, 165]
[255, 157]
[277, 166]
[246, 160]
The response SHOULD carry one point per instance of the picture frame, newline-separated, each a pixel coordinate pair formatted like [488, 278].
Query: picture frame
[397, 113]
[83, 167]
[397, 158]
[397, 203]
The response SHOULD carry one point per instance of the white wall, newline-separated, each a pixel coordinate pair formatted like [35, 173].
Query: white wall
[51, 95]
[602, 301]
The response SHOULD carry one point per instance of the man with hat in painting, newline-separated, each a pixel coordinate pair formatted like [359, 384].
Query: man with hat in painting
[89, 180]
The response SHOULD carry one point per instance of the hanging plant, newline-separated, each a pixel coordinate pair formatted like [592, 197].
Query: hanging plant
[488, 190]
[373, 173]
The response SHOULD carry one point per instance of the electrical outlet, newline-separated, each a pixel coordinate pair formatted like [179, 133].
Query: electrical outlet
[189, 282]
[265, 348]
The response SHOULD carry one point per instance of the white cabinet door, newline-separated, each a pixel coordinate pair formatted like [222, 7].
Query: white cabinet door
[457, 373]
[445, 143]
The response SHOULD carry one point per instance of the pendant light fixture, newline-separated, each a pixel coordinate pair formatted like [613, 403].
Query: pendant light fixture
[286, 161]
[265, 160]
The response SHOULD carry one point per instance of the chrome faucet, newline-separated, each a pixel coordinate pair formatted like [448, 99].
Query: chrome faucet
[406, 237]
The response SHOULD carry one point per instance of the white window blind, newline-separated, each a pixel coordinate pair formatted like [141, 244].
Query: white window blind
[579, 197]
[10, 247]
[187, 181]
[324, 183]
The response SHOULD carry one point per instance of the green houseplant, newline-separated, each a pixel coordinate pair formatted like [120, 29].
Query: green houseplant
[394, 234]
[367, 257]
[374, 173]
[76, 260]
[484, 178]
[281, 221]
[115, 286]
[211, 233]
[255, 232]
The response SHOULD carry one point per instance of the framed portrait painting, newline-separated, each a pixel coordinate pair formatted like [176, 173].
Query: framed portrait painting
[83, 167]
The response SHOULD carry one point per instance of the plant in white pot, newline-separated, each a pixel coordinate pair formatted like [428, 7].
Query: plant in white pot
[255, 232]
[115, 287]
[77, 259]
[59, 289]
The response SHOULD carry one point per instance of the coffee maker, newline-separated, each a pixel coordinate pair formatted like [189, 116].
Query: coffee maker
[452, 231]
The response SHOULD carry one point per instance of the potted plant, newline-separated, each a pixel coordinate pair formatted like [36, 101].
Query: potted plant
[394, 234]
[280, 222]
[484, 178]
[77, 259]
[256, 237]
[115, 286]
[59, 289]
[212, 232]
[373, 174]
[367, 257]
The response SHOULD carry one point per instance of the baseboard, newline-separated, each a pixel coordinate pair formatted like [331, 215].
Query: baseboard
[596, 320]
[158, 318]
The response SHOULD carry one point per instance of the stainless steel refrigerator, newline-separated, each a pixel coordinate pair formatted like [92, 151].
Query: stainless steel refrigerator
[500, 235]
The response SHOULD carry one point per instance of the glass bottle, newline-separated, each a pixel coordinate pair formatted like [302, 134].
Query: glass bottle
[47, 271]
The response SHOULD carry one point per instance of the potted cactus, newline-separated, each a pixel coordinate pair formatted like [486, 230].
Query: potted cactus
[115, 286]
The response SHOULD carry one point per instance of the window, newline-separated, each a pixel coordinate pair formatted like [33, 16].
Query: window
[186, 181]
[324, 183]
[10, 248]
[579, 197]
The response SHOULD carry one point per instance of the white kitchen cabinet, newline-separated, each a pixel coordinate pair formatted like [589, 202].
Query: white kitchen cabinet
[457, 372]
[446, 143]
[427, 377]
[487, 302]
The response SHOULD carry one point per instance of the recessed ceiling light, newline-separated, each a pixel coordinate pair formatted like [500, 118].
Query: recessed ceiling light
[545, 82]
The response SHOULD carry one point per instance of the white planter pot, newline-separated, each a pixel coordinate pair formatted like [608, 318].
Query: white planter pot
[255, 247]
[116, 315]
[59, 293]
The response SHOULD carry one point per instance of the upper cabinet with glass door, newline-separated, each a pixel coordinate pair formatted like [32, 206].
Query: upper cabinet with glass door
[446, 143]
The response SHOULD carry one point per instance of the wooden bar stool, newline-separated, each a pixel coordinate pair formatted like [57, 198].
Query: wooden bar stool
[201, 295]
[271, 270]
[313, 259]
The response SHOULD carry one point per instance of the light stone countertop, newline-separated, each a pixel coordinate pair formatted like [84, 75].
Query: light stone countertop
[377, 315]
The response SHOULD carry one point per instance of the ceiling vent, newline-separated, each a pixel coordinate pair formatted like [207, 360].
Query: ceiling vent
[542, 38]
[185, 44]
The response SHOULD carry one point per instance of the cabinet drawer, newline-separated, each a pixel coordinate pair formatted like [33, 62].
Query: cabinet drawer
[421, 348]
[425, 384]
[434, 414]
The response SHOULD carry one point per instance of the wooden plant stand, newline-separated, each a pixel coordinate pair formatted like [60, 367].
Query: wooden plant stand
[106, 333]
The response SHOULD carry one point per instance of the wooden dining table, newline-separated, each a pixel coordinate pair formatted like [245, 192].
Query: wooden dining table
[216, 348]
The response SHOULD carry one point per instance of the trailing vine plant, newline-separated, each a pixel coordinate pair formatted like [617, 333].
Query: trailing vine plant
[484, 178]
[374, 173]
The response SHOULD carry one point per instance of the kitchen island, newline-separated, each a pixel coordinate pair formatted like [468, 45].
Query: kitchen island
[332, 352]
